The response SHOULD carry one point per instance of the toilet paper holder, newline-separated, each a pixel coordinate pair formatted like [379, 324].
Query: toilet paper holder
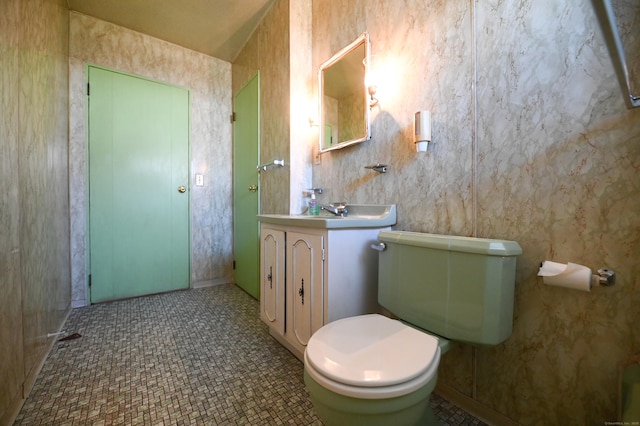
[605, 277]
[575, 276]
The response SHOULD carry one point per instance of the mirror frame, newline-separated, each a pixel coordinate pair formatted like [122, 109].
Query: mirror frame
[607, 18]
[362, 39]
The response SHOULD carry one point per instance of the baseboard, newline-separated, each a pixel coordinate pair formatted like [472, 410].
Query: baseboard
[473, 407]
[78, 304]
[211, 283]
[9, 417]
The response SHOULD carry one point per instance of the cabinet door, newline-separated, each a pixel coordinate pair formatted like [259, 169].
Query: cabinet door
[305, 303]
[272, 269]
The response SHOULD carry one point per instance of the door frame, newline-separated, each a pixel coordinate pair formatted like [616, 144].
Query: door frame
[87, 216]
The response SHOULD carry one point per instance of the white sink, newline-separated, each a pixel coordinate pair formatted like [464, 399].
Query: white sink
[360, 216]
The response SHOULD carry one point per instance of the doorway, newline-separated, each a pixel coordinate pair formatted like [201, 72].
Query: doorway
[138, 186]
[246, 188]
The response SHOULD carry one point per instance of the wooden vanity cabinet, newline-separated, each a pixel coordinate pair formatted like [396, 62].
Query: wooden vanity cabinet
[272, 266]
[310, 276]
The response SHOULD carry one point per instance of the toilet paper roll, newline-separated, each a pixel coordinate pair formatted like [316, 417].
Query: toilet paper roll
[570, 275]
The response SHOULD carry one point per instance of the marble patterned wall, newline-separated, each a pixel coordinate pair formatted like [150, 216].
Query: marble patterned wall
[532, 142]
[35, 279]
[11, 350]
[559, 151]
[267, 51]
[302, 104]
[209, 81]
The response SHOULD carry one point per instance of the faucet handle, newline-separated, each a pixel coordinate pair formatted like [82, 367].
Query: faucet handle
[315, 191]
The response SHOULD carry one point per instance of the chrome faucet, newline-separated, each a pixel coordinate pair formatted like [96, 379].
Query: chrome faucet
[338, 209]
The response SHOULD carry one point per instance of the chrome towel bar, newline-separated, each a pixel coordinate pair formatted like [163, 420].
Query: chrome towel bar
[264, 166]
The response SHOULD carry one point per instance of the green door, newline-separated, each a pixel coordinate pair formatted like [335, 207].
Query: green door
[138, 186]
[246, 240]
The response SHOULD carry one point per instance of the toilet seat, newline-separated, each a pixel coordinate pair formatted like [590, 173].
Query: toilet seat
[371, 356]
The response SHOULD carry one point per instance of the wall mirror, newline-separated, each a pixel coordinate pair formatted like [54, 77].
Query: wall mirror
[344, 107]
[620, 22]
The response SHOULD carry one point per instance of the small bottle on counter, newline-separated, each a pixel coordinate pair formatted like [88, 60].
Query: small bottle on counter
[313, 210]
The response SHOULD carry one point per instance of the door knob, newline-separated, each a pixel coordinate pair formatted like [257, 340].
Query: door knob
[253, 188]
[182, 189]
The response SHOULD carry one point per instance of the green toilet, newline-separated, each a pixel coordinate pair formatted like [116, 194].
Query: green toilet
[372, 370]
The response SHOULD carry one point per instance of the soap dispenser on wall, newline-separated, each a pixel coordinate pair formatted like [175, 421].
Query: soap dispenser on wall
[422, 127]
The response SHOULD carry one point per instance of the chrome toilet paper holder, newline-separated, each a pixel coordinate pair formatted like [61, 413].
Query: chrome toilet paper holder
[606, 277]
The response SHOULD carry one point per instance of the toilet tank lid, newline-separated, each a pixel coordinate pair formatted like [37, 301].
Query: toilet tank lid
[452, 243]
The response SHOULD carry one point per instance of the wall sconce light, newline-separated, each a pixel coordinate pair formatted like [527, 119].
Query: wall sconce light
[422, 127]
[372, 91]
[371, 78]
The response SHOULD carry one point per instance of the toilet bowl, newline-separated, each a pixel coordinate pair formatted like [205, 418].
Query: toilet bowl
[371, 370]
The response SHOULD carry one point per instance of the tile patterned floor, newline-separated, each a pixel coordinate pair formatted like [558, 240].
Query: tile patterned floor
[195, 357]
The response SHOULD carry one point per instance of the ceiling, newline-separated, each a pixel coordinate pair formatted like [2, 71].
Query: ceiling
[218, 28]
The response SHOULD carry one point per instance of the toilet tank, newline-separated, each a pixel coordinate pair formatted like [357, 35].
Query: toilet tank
[460, 288]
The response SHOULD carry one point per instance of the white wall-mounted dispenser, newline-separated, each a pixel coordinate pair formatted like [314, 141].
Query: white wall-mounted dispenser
[422, 127]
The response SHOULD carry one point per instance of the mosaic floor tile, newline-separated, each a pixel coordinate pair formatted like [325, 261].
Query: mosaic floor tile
[194, 357]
